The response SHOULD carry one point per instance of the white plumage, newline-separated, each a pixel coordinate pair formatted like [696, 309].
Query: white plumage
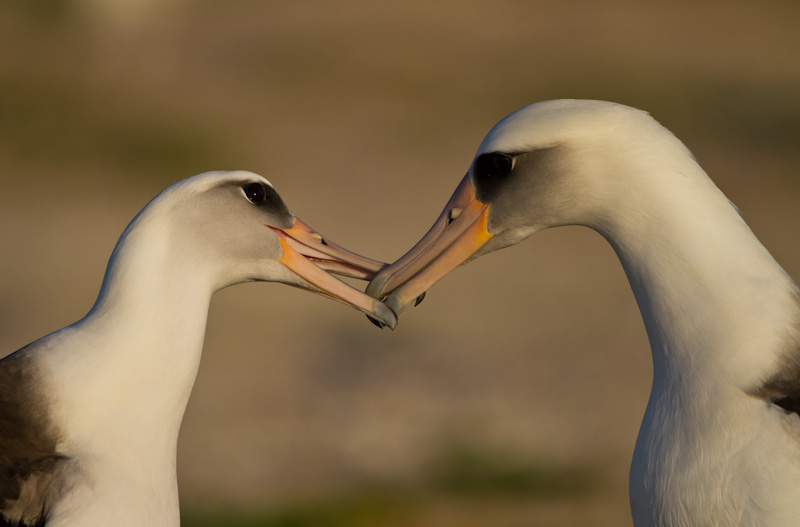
[89, 415]
[720, 440]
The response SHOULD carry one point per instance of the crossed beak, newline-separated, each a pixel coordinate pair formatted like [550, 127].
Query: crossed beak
[312, 257]
[457, 234]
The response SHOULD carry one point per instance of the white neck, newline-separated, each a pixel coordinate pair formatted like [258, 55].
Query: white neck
[720, 315]
[714, 302]
[122, 390]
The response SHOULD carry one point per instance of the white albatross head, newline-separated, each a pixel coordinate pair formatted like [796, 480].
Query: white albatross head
[562, 162]
[233, 227]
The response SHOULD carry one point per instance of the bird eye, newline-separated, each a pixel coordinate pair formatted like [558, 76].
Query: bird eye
[502, 164]
[254, 192]
[494, 164]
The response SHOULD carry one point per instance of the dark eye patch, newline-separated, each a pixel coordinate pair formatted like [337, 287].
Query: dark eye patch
[265, 196]
[497, 173]
[255, 192]
[493, 164]
[490, 172]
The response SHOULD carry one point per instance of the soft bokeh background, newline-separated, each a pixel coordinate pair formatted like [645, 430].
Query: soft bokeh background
[512, 395]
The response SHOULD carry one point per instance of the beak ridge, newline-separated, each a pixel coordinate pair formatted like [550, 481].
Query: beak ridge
[310, 256]
[459, 231]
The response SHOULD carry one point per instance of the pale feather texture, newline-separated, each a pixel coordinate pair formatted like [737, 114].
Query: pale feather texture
[720, 440]
[721, 315]
[103, 399]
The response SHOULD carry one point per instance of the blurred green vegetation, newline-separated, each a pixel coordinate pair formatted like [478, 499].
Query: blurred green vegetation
[463, 476]
[44, 12]
[368, 509]
[44, 125]
[477, 471]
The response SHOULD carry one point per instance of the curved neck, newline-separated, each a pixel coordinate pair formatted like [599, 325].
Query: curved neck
[134, 357]
[712, 298]
[151, 290]
[121, 379]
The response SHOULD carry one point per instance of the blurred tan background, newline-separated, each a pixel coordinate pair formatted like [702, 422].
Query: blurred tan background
[512, 395]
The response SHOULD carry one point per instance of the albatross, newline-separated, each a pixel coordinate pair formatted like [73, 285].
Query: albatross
[719, 443]
[89, 415]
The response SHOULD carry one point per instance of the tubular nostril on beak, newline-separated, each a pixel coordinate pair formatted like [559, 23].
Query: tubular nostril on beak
[454, 213]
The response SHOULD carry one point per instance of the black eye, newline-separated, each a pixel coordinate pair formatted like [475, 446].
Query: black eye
[494, 164]
[502, 164]
[254, 192]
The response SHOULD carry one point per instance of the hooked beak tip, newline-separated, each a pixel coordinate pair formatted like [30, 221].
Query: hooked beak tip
[376, 322]
[376, 285]
[395, 304]
[385, 315]
[419, 299]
